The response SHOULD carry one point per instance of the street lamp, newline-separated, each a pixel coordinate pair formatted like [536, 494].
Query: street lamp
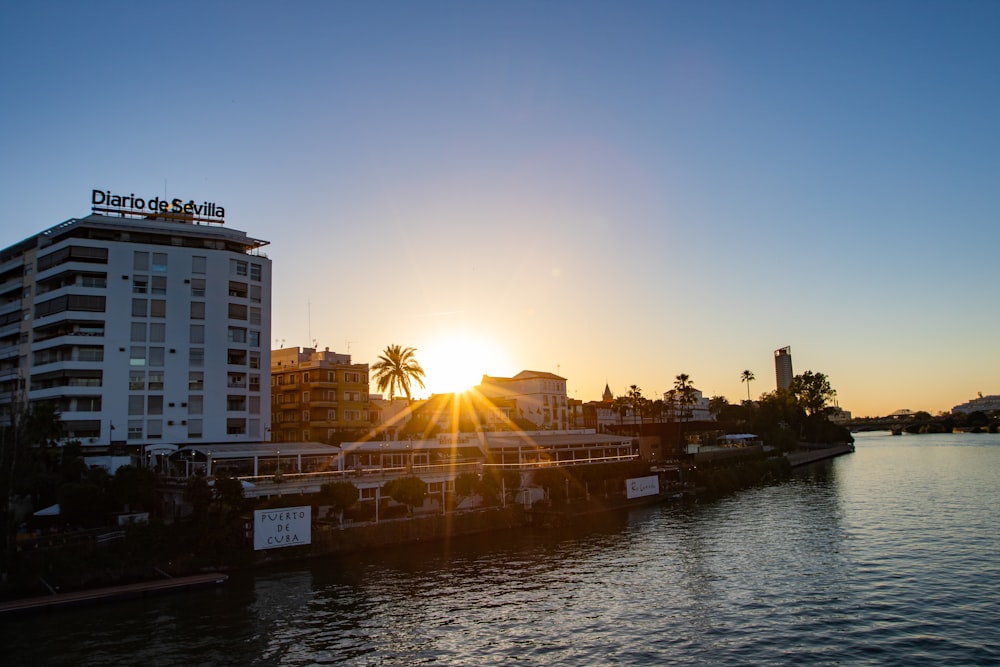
[277, 453]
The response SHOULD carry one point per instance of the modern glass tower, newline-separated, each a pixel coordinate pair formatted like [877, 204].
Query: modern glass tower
[783, 367]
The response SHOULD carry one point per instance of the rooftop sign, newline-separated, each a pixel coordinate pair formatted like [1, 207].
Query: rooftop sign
[105, 201]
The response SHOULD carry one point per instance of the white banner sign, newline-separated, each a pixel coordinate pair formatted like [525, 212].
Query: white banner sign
[637, 487]
[282, 527]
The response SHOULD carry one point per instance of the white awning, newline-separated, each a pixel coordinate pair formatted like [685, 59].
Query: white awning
[51, 510]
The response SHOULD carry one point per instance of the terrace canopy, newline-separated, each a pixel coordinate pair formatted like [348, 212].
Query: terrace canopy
[246, 459]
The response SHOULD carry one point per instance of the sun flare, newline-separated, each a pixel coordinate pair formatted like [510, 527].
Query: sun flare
[456, 363]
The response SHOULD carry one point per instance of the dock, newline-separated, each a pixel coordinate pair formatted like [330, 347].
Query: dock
[91, 596]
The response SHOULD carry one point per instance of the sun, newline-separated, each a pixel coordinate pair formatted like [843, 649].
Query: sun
[455, 363]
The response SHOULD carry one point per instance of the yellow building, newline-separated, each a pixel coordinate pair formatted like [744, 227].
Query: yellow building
[318, 396]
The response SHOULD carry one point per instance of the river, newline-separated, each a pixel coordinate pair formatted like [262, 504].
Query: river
[888, 556]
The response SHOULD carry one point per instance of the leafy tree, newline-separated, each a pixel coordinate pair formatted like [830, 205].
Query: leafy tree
[396, 369]
[340, 496]
[198, 495]
[813, 392]
[717, 406]
[134, 489]
[409, 491]
[748, 377]
[466, 484]
[228, 493]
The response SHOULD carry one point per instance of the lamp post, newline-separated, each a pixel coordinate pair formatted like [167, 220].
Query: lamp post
[277, 453]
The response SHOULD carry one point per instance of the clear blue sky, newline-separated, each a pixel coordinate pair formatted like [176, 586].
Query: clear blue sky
[617, 192]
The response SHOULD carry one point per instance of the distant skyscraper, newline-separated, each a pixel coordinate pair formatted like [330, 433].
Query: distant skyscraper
[783, 367]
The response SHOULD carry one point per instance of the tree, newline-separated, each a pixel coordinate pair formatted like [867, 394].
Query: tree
[685, 394]
[748, 377]
[134, 489]
[339, 496]
[717, 405]
[198, 495]
[621, 405]
[396, 369]
[813, 392]
[635, 400]
[409, 491]
[228, 493]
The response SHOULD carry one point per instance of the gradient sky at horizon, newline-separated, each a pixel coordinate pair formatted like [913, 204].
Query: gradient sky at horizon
[615, 192]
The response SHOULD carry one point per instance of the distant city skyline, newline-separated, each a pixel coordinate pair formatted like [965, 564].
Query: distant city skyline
[616, 193]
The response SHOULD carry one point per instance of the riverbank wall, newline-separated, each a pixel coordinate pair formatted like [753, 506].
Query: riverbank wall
[331, 539]
[804, 456]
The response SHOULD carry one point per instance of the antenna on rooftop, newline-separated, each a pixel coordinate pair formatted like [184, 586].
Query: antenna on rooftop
[348, 343]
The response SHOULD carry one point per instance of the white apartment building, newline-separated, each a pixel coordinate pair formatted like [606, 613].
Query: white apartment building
[149, 330]
[540, 397]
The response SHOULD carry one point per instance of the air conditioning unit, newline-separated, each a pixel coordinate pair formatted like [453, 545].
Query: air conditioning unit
[170, 423]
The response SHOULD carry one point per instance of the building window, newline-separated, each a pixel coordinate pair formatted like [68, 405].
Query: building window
[140, 261]
[139, 284]
[255, 360]
[157, 332]
[196, 357]
[197, 310]
[159, 285]
[136, 380]
[198, 287]
[305, 397]
[237, 268]
[237, 311]
[255, 405]
[255, 294]
[194, 428]
[255, 272]
[254, 339]
[138, 308]
[137, 356]
[198, 265]
[197, 334]
[156, 380]
[237, 290]
[157, 308]
[331, 415]
[236, 426]
[196, 404]
[254, 315]
[154, 405]
[237, 335]
[134, 429]
[138, 332]
[254, 382]
[135, 404]
[196, 381]
[160, 262]
[154, 428]
[156, 357]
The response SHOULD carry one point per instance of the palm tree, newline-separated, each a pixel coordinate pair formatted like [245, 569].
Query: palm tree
[747, 376]
[395, 369]
[635, 399]
[685, 393]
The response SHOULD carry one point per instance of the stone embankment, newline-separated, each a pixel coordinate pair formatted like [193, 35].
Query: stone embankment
[812, 454]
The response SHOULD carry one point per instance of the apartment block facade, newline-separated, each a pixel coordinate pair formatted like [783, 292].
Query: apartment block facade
[318, 396]
[142, 328]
